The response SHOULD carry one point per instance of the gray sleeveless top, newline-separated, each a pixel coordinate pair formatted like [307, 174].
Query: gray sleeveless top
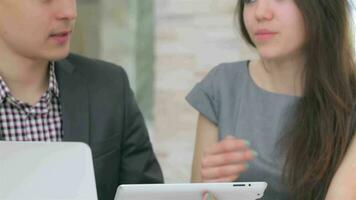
[230, 99]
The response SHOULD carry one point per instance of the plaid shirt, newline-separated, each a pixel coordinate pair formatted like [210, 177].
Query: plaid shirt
[20, 121]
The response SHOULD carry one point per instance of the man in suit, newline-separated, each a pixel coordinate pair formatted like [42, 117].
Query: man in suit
[46, 95]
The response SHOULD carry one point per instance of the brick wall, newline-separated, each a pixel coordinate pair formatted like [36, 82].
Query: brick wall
[192, 36]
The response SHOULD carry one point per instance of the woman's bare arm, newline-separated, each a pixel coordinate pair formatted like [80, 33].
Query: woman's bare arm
[207, 134]
[343, 185]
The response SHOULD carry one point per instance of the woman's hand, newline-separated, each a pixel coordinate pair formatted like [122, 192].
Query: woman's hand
[218, 161]
[226, 160]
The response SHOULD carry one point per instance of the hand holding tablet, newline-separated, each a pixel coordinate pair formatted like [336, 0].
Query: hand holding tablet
[209, 196]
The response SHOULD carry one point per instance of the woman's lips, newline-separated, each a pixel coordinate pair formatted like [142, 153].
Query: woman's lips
[264, 35]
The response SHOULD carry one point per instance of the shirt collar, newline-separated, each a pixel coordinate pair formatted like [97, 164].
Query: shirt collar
[4, 90]
[53, 84]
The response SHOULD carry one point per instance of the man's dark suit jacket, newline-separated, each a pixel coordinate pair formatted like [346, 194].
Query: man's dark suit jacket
[98, 108]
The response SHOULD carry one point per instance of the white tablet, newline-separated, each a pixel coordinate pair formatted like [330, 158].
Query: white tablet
[192, 191]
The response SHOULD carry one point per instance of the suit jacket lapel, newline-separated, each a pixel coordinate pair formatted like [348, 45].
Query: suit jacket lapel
[74, 102]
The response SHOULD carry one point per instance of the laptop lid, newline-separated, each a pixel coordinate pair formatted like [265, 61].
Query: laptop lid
[37, 170]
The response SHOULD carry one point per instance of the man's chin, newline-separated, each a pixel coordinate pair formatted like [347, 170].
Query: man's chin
[61, 57]
[58, 56]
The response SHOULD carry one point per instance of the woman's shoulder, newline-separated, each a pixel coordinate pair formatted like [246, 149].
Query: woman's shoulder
[232, 67]
[225, 79]
[229, 71]
[218, 88]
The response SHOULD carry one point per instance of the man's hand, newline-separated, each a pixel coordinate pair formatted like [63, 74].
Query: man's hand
[224, 161]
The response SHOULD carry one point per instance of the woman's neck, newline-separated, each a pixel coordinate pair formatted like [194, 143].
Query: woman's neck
[283, 76]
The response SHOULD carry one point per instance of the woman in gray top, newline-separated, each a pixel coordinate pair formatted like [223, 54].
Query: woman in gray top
[285, 118]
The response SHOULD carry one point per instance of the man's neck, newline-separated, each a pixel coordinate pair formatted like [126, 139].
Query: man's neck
[27, 79]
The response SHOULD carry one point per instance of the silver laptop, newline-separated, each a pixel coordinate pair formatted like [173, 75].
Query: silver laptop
[46, 171]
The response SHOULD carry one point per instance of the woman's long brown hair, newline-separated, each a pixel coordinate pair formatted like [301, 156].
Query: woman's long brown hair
[317, 140]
